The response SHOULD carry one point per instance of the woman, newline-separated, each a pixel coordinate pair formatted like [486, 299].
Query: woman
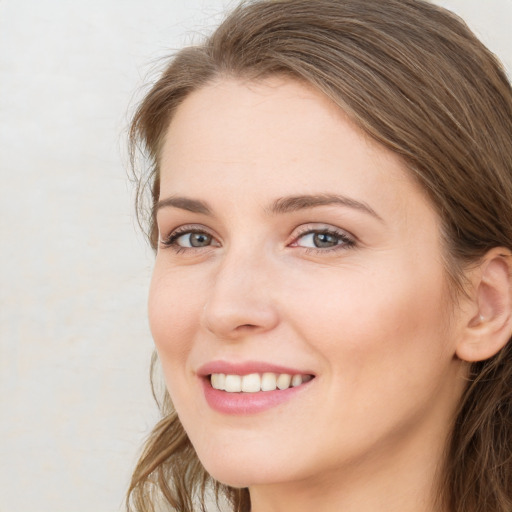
[331, 300]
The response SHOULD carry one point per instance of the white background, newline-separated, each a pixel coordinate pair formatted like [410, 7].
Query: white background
[75, 347]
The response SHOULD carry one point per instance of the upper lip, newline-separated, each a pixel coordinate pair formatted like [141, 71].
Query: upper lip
[246, 368]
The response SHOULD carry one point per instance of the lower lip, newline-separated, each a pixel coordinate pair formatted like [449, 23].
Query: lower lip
[248, 403]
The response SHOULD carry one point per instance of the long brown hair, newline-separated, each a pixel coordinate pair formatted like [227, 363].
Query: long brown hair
[417, 80]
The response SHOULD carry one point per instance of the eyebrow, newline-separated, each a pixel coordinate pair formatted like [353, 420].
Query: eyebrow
[183, 203]
[279, 206]
[302, 202]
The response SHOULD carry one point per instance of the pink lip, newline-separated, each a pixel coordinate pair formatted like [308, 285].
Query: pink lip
[246, 368]
[247, 403]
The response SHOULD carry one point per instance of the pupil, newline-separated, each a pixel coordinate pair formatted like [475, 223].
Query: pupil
[323, 240]
[199, 240]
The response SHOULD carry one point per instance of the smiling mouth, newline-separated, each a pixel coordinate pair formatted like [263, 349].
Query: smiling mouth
[256, 382]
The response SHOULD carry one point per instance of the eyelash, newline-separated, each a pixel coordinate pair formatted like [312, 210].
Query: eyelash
[170, 240]
[346, 240]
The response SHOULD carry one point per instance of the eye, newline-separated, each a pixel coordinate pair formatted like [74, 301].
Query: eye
[323, 239]
[193, 240]
[319, 240]
[188, 238]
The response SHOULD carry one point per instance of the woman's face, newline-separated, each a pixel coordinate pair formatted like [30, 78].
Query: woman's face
[293, 246]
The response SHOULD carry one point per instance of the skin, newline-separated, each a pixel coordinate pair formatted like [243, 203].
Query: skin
[370, 318]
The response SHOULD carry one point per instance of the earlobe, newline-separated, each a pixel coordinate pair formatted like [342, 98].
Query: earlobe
[490, 328]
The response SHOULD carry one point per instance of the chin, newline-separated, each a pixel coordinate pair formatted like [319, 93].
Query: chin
[240, 472]
[231, 479]
[241, 479]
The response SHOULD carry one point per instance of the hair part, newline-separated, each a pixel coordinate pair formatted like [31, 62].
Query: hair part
[415, 79]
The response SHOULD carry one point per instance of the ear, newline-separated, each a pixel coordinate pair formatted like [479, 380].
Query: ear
[490, 322]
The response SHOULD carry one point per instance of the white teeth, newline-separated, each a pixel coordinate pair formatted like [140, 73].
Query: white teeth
[268, 382]
[251, 383]
[296, 380]
[254, 382]
[233, 383]
[283, 381]
[218, 381]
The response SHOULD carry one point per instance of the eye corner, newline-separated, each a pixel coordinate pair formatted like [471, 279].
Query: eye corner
[189, 238]
[322, 238]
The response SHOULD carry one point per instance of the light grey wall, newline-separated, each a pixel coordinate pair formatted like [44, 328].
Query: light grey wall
[74, 342]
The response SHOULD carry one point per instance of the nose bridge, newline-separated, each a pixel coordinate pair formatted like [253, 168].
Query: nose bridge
[240, 297]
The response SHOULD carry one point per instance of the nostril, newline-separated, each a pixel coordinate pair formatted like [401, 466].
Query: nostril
[246, 327]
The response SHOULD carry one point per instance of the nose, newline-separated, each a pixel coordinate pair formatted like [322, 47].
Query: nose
[240, 300]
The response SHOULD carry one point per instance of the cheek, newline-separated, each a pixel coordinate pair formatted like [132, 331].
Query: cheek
[385, 351]
[376, 321]
[173, 312]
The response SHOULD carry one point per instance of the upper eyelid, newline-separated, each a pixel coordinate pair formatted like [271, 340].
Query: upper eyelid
[304, 228]
[186, 228]
[346, 239]
[322, 227]
[296, 234]
[173, 234]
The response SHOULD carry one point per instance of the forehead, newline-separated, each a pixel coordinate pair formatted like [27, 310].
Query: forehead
[269, 136]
